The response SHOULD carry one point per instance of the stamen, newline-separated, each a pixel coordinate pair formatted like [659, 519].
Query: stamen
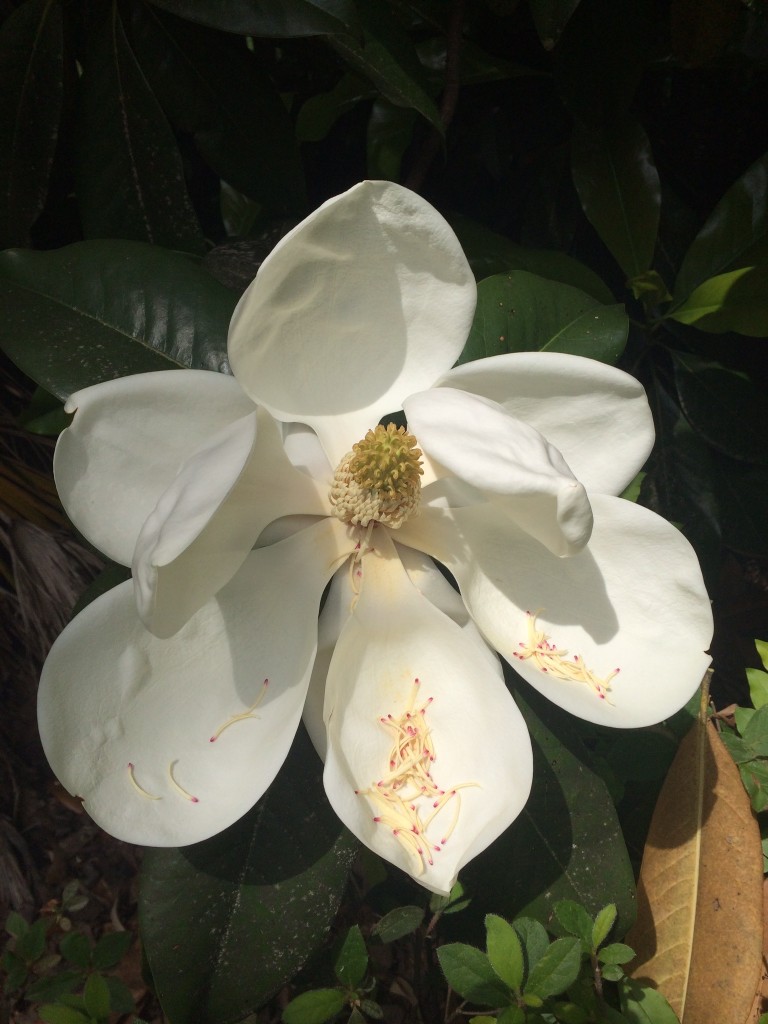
[408, 785]
[177, 787]
[550, 659]
[378, 481]
[248, 713]
[136, 786]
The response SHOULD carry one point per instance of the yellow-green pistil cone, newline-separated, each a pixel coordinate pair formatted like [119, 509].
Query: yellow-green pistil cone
[378, 481]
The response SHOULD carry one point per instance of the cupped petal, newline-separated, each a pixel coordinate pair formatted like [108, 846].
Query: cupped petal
[367, 300]
[206, 522]
[452, 767]
[126, 443]
[508, 461]
[596, 415]
[428, 580]
[170, 741]
[633, 600]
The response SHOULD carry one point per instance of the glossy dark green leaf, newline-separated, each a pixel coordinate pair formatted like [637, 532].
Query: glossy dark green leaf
[754, 775]
[734, 235]
[724, 407]
[601, 56]
[520, 312]
[390, 133]
[489, 253]
[386, 57]
[557, 970]
[550, 18]
[227, 922]
[315, 1007]
[755, 735]
[31, 84]
[352, 960]
[49, 989]
[681, 484]
[735, 301]
[97, 310]
[120, 998]
[397, 923]
[213, 87]
[319, 114]
[743, 497]
[469, 972]
[130, 179]
[567, 842]
[618, 185]
[271, 18]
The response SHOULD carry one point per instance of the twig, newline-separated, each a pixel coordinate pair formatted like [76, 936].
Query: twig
[449, 99]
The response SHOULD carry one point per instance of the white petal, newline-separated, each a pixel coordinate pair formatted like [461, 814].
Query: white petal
[367, 300]
[127, 441]
[207, 521]
[596, 415]
[475, 440]
[482, 751]
[634, 599]
[303, 448]
[113, 696]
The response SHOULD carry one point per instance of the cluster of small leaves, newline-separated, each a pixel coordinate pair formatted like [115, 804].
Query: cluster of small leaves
[748, 743]
[353, 990]
[57, 969]
[526, 977]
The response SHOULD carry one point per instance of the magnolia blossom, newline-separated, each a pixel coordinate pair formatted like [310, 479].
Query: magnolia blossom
[171, 701]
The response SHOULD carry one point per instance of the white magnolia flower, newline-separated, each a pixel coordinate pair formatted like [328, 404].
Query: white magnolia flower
[170, 702]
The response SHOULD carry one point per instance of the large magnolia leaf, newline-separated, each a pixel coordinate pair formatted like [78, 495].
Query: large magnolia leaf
[734, 235]
[31, 84]
[387, 58]
[618, 185]
[735, 301]
[227, 922]
[550, 18]
[699, 930]
[490, 253]
[567, 842]
[271, 18]
[213, 87]
[520, 312]
[130, 179]
[724, 407]
[97, 310]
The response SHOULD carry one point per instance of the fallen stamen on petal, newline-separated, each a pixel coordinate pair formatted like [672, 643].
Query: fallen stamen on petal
[549, 658]
[408, 781]
[136, 786]
[177, 787]
[248, 713]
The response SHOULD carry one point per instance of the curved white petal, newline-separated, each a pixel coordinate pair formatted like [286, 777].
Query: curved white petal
[425, 576]
[367, 300]
[596, 415]
[127, 720]
[482, 754]
[303, 448]
[633, 599]
[336, 611]
[126, 443]
[508, 461]
[207, 521]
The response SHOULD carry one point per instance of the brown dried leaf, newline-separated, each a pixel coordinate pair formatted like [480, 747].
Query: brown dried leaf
[699, 929]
